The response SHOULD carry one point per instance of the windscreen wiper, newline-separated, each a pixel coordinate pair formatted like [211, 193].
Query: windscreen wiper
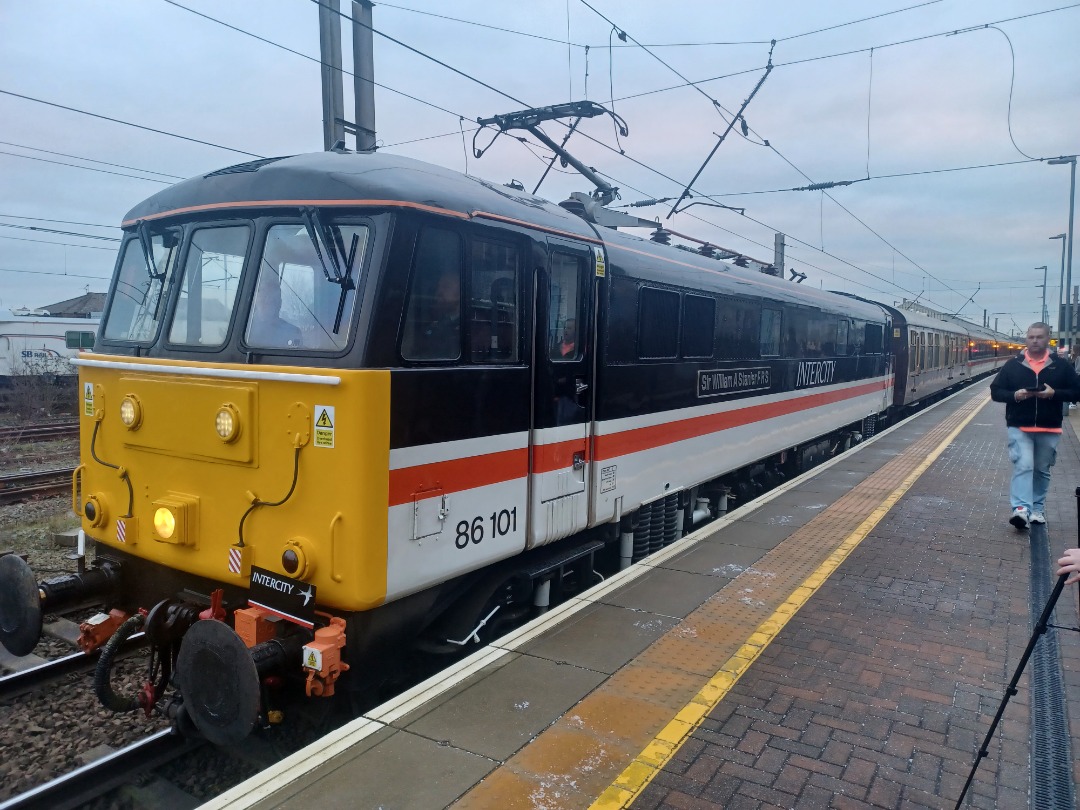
[334, 250]
[145, 240]
[317, 235]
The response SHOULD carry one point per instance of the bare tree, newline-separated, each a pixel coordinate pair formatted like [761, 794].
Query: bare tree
[39, 383]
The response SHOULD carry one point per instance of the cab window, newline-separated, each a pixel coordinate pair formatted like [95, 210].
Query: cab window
[211, 277]
[137, 304]
[306, 286]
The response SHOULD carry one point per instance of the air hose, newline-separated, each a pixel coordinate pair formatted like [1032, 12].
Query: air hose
[102, 680]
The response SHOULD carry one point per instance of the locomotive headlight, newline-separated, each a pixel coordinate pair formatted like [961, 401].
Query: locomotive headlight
[175, 519]
[131, 412]
[227, 422]
[164, 522]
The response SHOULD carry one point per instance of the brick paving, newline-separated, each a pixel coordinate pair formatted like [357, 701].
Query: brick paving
[880, 690]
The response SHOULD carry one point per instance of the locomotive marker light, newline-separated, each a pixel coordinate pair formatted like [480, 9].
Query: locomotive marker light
[131, 412]
[227, 422]
[297, 560]
[95, 511]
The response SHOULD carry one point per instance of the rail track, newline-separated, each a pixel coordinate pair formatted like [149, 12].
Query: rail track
[41, 675]
[26, 433]
[103, 775]
[21, 486]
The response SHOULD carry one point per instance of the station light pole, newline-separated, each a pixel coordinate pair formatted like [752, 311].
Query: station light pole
[1060, 317]
[1061, 161]
[1044, 315]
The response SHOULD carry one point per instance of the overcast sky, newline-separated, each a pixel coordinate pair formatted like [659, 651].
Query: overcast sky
[916, 92]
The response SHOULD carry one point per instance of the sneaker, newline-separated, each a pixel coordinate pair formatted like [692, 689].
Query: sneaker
[1038, 517]
[1021, 516]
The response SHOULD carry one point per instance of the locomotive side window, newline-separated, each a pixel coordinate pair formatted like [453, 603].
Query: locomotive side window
[842, 328]
[494, 315]
[658, 324]
[433, 314]
[211, 276]
[873, 338]
[565, 301]
[304, 291]
[698, 326]
[769, 336]
[145, 269]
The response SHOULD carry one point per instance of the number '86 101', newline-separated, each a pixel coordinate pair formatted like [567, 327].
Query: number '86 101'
[499, 523]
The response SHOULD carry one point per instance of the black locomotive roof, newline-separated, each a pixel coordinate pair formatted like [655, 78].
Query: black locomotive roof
[354, 178]
[374, 180]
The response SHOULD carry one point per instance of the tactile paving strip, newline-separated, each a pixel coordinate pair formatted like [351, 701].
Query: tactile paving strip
[614, 742]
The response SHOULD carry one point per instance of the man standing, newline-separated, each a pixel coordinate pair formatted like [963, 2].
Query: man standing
[1035, 385]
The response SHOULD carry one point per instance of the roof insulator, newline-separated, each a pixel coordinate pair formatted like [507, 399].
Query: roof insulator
[661, 237]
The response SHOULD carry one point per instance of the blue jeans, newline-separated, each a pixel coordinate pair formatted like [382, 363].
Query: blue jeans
[1032, 455]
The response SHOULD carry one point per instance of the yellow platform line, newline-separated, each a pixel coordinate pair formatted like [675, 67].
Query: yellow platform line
[645, 767]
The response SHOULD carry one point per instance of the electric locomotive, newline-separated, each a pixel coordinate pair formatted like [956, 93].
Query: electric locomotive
[346, 405]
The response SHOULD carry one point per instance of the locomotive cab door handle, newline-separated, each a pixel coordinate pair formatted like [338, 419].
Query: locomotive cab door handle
[580, 386]
[579, 460]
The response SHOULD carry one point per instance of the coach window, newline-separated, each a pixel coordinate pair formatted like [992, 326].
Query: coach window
[565, 300]
[208, 286]
[739, 323]
[698, 326]
[304, 292]
[79, 340]
[658, 324]
[493, 309]
[432, 329]
[842, 328]
[136, 306]
[769, 336]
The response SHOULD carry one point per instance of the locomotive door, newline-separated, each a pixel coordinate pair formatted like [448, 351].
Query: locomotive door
[562, 393]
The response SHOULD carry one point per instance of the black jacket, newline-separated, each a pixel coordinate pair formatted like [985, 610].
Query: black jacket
[1058, 373]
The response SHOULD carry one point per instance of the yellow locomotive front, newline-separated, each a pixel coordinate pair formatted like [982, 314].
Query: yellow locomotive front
[234, 463]
[208, 471]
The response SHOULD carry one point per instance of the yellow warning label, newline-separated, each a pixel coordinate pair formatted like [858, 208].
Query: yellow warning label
[601, 267]
[311, 662]
[88, 399]
[324, 426]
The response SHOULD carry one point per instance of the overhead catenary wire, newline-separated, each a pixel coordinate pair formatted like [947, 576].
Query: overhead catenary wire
[87, 168]
[128, 123]
[61, 233]
[52, 273]
[316, 60]
[59, 221]
[568, 41]
[519, 101]
[459, 131]
[61, 244]
[948, 33]
[765, 142]
[91, 160]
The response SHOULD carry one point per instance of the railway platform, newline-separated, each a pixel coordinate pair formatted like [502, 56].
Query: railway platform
[844, 641]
